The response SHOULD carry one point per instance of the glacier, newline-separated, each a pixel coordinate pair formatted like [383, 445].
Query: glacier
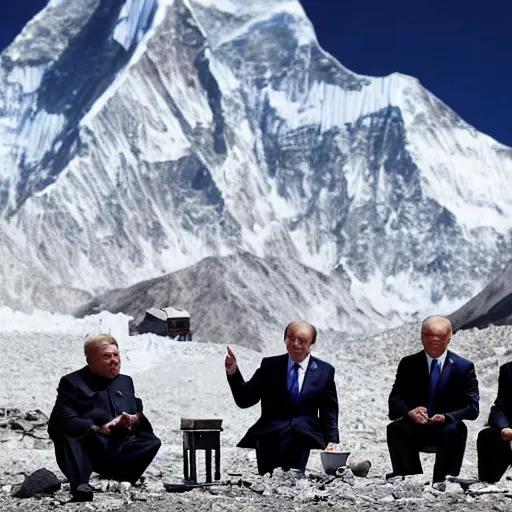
[139, 137]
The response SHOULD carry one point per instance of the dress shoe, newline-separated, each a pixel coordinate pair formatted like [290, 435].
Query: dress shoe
[83, 492]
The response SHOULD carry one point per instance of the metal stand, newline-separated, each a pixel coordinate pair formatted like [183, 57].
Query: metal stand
[197, 436]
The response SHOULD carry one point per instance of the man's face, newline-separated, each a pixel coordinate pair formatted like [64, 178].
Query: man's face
[435, 339]
[298, 341]
[105, 361]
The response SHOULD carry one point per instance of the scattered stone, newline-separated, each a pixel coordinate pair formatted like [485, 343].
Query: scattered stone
[41, 481]
[125, 486]
[361, 469]
[7, 488]
[114, 486]
[387, 499]
[453, 488]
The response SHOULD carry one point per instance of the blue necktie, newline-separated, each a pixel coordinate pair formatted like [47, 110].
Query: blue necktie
[435, 376]
[294, 382]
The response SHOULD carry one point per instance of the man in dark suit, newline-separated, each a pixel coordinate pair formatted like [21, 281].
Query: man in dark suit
[299, 404]
[434, 391]
[493, 444]
[97, 423]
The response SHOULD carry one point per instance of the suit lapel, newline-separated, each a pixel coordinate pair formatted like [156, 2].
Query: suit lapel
[282, 375]
[310, 378]
[445, 375]
[423, 375]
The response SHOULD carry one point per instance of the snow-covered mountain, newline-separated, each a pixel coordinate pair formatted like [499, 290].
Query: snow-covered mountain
[138, 137]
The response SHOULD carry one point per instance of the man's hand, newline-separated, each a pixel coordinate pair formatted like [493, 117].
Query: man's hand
[506, 434]
[438, 418]
[331, 447]
[124, 420]
[230, 362]
[419, 415]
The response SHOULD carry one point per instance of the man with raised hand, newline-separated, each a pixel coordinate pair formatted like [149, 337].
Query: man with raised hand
[299, 404]
[493, 444]
[97, 423]
[434, 391]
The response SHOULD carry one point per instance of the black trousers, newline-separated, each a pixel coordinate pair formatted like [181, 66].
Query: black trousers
[119, 457]
[406, 439]
[494, 455]
[285, 450]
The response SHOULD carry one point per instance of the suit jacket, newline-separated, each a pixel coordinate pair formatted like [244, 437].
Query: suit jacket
[85, 399]
[456, 397]
[315, 414]
[501, 411]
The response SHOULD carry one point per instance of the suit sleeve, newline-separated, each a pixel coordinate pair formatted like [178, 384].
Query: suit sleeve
[246, 394]
[498, 417]
[144, 425]
[65, 418]
[328, 411]
[471, 396]
[398, 406]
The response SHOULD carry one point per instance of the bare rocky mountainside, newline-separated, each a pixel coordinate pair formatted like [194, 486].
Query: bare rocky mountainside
[492, 306]
[139, 137]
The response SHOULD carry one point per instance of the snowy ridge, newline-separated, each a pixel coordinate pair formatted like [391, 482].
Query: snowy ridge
[145, 136]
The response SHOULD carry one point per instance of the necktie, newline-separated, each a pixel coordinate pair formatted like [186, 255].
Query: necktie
[435, 376]
[294, 382]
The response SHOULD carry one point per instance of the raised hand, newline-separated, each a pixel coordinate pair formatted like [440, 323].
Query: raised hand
[230, 362]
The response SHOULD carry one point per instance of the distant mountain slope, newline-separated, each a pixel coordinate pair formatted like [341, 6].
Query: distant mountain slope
[245, 299]
[493, 305]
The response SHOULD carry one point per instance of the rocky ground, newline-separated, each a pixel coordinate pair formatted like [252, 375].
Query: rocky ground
[186, 380]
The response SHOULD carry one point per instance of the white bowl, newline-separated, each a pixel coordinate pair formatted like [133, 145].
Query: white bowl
[331, 461]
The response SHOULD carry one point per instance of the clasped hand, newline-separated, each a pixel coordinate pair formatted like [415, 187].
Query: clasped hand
[419, 415]
[124, 420]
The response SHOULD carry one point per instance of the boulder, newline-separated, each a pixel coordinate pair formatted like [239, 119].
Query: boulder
[41, 481]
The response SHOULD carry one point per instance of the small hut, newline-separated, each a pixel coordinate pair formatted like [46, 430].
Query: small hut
[166, 322]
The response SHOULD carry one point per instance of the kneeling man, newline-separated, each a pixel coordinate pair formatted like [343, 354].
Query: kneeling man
[494, 453]
[299, 404]
[434, 391]
[97, 422]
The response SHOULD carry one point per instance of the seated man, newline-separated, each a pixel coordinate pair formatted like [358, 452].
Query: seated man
[299, 404]
[97, 422]
[434, 391]
[493, 444]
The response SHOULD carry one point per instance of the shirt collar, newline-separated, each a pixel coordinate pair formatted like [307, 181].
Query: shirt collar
[303, 364]
[441, 359]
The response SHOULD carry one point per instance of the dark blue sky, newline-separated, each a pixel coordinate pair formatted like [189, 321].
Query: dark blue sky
[461, 50]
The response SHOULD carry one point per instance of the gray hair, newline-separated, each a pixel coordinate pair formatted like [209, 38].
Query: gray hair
[98, 340]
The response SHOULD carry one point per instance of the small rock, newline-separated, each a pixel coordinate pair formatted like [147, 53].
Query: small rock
[345, 475]
[387, 499]
[41, 481]
[125, 486]
[361, 468]
[7, 488]
[102, 486]
[153, 472]
[114, 486]
[453, 488]
[17, 424]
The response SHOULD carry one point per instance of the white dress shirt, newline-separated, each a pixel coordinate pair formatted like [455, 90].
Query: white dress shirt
[441, 359]
[303, 366]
